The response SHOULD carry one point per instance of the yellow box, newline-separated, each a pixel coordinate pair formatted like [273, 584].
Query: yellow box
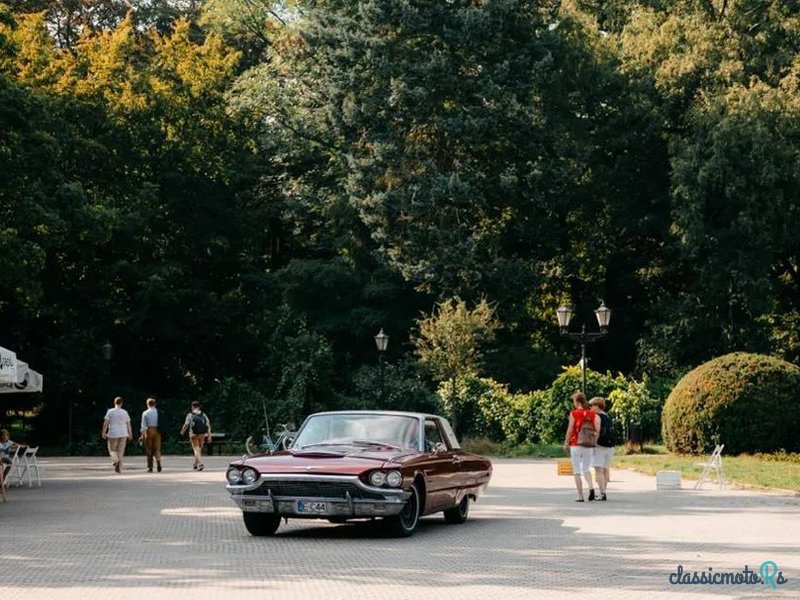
[564, 467]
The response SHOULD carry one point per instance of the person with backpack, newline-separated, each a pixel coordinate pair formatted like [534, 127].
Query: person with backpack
[199, 428]
[580, 440]
[604, 451]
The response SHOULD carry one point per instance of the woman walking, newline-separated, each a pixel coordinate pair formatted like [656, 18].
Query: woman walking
[579, 441]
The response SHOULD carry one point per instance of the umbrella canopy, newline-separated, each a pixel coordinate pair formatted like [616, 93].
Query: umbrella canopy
[16, 376]
[27, 380]
[8, 366]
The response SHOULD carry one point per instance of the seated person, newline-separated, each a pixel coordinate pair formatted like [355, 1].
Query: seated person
[6, 450]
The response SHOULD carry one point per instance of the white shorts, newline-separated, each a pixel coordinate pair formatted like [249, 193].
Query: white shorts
[602, 456]
[581, 459]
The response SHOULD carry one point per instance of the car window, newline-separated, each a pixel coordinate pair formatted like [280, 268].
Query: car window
[449, 435]
[344, 428]
[432, 435]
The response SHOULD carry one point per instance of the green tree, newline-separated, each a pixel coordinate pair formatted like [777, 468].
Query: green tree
[449, 341]
[722, 78]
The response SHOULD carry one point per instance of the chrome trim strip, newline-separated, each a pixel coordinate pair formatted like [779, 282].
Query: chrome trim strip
[336, 507]
[353, 479]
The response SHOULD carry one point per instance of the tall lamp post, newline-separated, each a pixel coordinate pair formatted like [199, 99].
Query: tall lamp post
[108, 354]
[564, 315]
[381, 342]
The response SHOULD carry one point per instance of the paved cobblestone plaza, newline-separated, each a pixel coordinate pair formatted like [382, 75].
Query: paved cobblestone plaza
[88, 533]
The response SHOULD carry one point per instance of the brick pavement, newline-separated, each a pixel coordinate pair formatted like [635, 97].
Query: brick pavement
[88, 533]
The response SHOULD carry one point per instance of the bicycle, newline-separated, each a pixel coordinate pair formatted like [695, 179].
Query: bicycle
[262, 442]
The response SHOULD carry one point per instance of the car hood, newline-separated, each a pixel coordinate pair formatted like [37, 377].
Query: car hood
[331, 462]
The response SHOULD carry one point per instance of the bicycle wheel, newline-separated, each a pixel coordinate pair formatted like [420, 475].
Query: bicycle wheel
[251, 446]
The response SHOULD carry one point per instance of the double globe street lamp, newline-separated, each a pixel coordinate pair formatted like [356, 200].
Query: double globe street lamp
[564, 315]
[381, 342]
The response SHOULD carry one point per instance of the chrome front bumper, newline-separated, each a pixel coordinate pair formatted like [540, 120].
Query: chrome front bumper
[384, 502]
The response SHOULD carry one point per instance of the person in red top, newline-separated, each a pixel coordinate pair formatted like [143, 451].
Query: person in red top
[581, 456]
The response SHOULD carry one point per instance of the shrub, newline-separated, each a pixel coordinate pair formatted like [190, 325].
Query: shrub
[745, 401]
[518, 422]
[551, 410]
[634, 402]
[479, 406]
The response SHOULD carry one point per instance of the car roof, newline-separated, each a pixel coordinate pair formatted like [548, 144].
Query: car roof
[398, 413]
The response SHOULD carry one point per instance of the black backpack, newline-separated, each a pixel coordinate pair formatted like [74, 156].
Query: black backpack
[605, 438]
[199, 424]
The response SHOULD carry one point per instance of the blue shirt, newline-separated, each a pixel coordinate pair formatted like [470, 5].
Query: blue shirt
[150, 418]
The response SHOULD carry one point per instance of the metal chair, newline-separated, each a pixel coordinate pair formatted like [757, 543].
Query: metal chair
[714, 463]
[30, 465]
[17, 471]
[3, 486]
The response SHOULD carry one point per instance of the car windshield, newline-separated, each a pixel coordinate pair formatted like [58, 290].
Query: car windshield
[398, 431]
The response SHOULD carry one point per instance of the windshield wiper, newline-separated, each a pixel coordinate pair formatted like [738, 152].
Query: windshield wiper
[372, 443]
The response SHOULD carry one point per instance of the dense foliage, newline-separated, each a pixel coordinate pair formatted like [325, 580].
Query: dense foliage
[239, 195]
[745, 401]
[488, 409]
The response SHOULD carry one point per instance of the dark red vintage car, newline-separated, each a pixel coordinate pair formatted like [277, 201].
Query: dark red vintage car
[347, 465]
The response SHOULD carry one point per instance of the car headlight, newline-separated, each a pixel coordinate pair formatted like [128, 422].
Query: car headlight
[233, 475]
[249, 476]
[394, 478]
[377, 478]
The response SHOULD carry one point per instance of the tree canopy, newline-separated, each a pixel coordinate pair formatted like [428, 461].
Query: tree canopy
[238, 194]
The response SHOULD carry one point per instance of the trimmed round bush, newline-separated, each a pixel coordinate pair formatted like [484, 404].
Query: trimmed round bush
[746, 401]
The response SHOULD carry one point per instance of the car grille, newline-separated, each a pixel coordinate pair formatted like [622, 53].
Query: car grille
[318, 489]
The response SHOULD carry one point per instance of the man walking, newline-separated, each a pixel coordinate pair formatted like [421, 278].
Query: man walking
[151, 434]
[117, 429]
[199, 428]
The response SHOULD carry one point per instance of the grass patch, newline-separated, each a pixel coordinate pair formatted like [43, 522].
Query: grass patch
[766, 471]
[780, 470]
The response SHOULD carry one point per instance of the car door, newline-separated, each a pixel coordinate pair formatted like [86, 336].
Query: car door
[441, 469]
[471, 469]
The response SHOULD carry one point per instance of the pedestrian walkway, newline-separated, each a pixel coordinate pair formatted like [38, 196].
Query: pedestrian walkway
[89, 533]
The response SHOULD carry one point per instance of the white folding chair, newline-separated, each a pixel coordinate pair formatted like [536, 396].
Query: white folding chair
[30, 465]
[16, 471]
[3, 487]
[714, 463]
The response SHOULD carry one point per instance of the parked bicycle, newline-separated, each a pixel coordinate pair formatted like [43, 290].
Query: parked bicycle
[263, 441]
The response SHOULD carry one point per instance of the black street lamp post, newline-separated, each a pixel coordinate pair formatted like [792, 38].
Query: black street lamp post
[564, 315]
[381, 342]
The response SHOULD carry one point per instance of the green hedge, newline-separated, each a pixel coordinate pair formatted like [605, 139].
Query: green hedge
[484, 408]
[746, 401]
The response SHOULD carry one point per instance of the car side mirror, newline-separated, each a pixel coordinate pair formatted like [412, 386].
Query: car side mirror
[439, 448]
[287, 442]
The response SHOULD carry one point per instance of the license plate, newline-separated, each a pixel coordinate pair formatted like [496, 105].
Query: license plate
[311, 507]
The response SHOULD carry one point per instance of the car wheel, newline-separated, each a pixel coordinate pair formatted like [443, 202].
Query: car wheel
[261, 524]
[405, 524]
[457, 514]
